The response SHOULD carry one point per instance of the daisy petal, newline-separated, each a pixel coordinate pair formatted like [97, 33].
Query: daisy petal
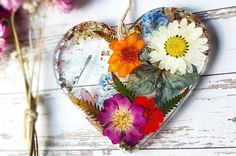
[173, 28]
[199, 42]
[183, 23]
[182, 66]
[196, 34]
[157, 56]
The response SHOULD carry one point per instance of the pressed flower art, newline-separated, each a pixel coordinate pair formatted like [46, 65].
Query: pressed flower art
[128, 86]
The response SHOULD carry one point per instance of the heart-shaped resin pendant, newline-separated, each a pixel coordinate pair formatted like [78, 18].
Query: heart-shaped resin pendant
[128, 88]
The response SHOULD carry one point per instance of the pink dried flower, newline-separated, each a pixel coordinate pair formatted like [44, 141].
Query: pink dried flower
[64, 5]
[3, 34]
[11, 5]
[4, 13]
[87, 96]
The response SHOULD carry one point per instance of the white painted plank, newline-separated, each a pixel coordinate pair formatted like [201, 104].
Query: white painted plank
[207, 119]
[174, 152]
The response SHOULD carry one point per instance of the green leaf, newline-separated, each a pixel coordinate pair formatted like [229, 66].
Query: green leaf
[143, 80]
[170, 85]
[144, 55]
[121, 88]
[171, 104]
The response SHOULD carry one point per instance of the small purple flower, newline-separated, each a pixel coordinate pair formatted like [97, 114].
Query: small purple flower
[122, 120]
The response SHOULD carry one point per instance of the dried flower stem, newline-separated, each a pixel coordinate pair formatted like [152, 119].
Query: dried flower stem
[18, 49]
[33, 58]
[31, 111]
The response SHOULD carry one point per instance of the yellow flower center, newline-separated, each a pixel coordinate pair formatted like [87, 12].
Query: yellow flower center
[176, 46]
[122, 120]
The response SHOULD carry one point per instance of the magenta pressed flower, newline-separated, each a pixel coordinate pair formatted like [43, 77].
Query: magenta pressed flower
[122, 120]
[3, 33]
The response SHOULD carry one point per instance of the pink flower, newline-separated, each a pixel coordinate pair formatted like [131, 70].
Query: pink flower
[64, 5]
[3, 33]
[122, 120]
[11, 5]
[87, 96]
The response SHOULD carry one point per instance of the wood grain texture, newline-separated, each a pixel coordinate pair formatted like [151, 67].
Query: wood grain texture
[172, 152]
[205, 125]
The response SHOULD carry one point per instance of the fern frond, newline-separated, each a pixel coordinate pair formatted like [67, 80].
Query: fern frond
[121, 88]
[90, 109]
[171, 104]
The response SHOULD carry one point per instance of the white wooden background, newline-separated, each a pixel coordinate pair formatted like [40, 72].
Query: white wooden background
[205, 125]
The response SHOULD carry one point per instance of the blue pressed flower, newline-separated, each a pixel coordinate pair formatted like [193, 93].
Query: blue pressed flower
[105, 88]
[104, 81]
[105, 95]
[152, 21]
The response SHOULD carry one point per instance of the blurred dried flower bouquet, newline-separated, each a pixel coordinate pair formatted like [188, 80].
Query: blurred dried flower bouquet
[27, 55]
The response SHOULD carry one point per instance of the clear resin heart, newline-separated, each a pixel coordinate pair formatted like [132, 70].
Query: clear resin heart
[129, 88]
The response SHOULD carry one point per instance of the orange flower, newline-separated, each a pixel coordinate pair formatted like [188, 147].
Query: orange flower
[125, 54]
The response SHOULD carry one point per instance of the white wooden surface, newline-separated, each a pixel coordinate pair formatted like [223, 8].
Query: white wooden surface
[205, 125]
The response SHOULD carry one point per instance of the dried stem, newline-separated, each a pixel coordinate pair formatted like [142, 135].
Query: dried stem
[31, 111]
[18, 49]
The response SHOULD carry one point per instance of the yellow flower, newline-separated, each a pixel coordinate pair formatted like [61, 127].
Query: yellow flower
[125, 54]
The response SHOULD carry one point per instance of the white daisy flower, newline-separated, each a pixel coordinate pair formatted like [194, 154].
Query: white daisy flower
[178, 46]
